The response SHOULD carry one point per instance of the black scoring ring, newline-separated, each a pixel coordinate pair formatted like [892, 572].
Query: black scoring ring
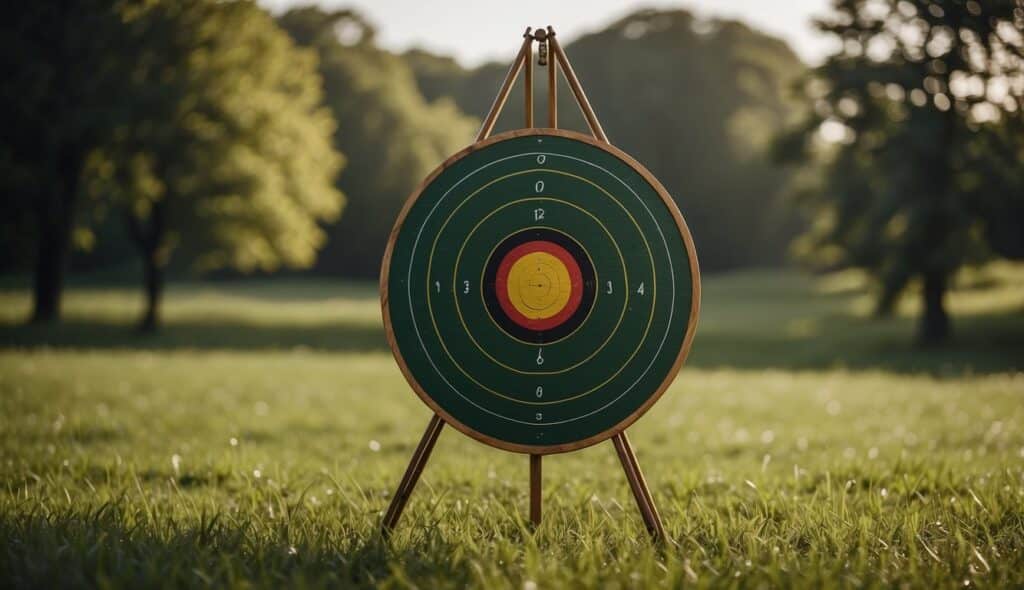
[490, 283]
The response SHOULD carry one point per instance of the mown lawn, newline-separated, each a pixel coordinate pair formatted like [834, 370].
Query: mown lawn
[255, 442]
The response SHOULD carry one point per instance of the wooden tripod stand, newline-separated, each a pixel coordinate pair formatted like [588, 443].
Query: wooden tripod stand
[548, 44]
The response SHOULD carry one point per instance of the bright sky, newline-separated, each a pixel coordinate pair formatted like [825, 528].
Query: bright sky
[475, 31]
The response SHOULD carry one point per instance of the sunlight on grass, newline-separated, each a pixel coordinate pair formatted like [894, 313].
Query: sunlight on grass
[262, 451]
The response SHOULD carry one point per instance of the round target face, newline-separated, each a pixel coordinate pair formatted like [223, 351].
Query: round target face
[540, 291]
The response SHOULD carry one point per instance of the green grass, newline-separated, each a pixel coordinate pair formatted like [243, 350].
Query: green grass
[255, 441]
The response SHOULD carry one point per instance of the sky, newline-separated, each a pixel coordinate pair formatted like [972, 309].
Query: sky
[476, 31]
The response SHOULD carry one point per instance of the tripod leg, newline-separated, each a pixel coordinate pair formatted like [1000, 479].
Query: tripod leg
[577, 89]
[639, 486]
[412, 474]
[535, 489]
[552, 90]
[506, 87]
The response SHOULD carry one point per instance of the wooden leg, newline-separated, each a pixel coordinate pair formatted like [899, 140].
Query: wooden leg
[528, 85]
[535, 489]
[577, 89]
[506, 87]
[552, 89]
[638, 485]
[412, 474]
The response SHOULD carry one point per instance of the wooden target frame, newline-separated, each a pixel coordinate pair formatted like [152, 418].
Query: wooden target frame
[557, 261]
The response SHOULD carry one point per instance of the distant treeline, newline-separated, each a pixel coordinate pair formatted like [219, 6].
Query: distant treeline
[211, 136]
[695, 101]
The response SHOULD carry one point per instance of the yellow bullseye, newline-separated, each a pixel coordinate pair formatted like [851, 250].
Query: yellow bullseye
[539, 285]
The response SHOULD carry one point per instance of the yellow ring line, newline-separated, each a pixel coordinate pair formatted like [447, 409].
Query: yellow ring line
[437, 332]
[597, 277]
[483, 271]
[597, 288]
[433, 248]
[680, 226]
[622, 314]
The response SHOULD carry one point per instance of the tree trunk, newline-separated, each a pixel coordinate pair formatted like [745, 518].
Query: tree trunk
[934, 327]
[154, 284]
[48, 281]
[54, 219]
[150, 237]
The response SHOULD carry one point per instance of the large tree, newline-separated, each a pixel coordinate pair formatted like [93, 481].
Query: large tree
[223, 156]
[697, 101]
[390, 134]
[917, 135]
[61, 64]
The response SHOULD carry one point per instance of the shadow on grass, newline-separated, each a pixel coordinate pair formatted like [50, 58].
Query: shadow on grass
[749, 321]
[982, 344]
[70, 550]
[198, 335]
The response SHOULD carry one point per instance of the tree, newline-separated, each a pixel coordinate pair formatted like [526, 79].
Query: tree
[916, 133]
[224, 154]
[61, 70]
[391, 135]
[697, 101]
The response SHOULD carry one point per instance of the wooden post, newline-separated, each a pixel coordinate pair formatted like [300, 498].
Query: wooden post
[528, 83]
[535, 460]
[535, 489]
[412, 474]
[506, 87]
[635, 477]
[577, 89]
[552, 84]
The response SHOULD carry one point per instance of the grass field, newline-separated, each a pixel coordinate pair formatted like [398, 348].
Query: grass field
[255, 442]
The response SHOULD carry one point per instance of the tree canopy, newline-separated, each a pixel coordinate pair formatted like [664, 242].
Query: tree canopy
[698, 102]
[197, 122]
[916, 136]
[391, 135]
[225, 156]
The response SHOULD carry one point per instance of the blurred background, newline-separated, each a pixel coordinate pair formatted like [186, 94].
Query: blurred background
[149, 141]
[195, 386]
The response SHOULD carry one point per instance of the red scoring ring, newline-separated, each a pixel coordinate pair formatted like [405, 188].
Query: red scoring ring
[575, 277]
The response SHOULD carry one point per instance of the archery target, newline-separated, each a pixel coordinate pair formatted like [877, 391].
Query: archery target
[540, 291]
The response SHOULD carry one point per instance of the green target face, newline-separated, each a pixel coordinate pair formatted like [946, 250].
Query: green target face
[540, 291]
